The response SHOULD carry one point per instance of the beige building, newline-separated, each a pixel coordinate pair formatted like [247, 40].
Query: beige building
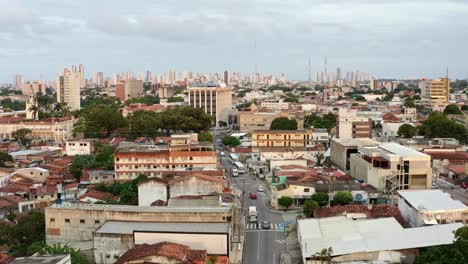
[275, 105]
[341, 150]
[184, 153]
[68, 86]
[214, 99]
[128, 89]
[391, 166]
[54, 129]
[252, 120]
[349, 125]
[30, 88]
[439, 91]
[281, 138]
[79, 147]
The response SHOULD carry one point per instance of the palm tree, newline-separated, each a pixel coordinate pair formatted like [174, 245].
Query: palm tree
[34, 109]
[319, 156]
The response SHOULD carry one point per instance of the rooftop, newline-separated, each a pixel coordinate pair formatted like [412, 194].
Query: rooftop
[431, 200]
[122, 227]
[347, 236]
[352, 142]
[402, 151]
[135, 208]
[56, 259]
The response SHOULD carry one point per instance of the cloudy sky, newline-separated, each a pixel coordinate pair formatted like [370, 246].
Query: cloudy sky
[390, 38]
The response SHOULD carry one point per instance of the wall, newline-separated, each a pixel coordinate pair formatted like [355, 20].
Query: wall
[195, 186]
[108, 246]
[151, 191]
[410, 215]
[79, 148]
[274, 163]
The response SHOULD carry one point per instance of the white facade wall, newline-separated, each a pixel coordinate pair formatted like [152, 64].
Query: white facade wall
[195, 186]
[151, 191]
[73, 148]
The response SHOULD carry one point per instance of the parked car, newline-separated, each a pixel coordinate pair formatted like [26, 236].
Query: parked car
[222, 153]
[266, 225]
[260, 189]
[253, 196]
[252, 219]
[464, 183]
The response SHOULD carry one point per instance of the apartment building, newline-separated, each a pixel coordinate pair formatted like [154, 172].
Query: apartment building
[215, 99]
[184, 152]
[281, 139]
[79, 147]
[53, 129]
[254, 119]
[391, 166]
[125, 90]
[439, 91]
[32, 88]
[350, 125]
[68, 86]
[275, 105]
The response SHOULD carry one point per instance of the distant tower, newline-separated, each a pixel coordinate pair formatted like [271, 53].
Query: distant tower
[326, 91]
[310, 75]
[325, 73]
[32, 111]
[226, 77]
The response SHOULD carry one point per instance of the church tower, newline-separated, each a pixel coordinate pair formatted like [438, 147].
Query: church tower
[32, 107]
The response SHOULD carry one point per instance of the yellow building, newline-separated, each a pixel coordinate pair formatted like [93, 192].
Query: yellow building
[253, 120]
[281, 139]
[439, 91]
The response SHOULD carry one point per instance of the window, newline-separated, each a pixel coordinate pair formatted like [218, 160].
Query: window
[52, 220]
[67, 220]
[82, 221]
[306, 190]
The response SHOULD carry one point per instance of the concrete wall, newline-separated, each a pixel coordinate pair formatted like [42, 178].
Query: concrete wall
[109, 247]
[151, 191]
[410, 215]
[195, 186]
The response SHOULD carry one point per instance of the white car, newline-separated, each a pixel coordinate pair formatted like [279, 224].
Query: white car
[222, 153]
[260, 189]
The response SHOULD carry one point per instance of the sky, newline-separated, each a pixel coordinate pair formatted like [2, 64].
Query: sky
[389, 38]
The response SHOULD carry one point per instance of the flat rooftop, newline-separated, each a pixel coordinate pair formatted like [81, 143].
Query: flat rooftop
[402, 151]
[136, 208]
[431, 200]
[121, 227]
[347, 236]
[56, 259]
[355, 142]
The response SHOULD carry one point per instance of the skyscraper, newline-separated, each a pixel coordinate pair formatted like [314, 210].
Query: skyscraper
[69, 84]
[226, 77]
[338, 74]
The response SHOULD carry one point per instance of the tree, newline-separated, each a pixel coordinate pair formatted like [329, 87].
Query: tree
[452, 109]
[328, 121]
[144, 124]
[409, 102]
[309, 208]
[231, 141]
[360, 98]
[438, 125]
[285, 201]
[81, 162]
[21, 135]
[34, 108]
[59, 249]
[283, 123]
[325, 255]
[342, 198]
[455, 253]
[5, 157]
[321, 198]
[407, 131]
[175, 99]
[205, 136]
[464, 108]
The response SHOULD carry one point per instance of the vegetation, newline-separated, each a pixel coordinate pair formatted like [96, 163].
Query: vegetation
[464, 108]
[99, 121]
[147, 99]
[103, 159]
[175, 99]
[205, 136]
[456, 253]
[321, 198]
[407, 131]
[328, 121]
[283, 123]
[231, 141]
[5, 157]
[324, 256]
[21, 135]
[319, 156]
[359, 98]
[59, 249]
[439, 125]
[127, 191]
[309, 208]
[409, 102]
[13, 105]
[452, 109]
[285, 201]
[342, 198]
[245, 104]
[19, 238]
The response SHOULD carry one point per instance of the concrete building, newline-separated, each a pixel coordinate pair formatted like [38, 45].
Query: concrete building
[281, 138]
[214, 99]
[439, 91]
[341, 150]
[391, 166]
[249, 121]
[79, 147]
[32, 88]
[165, 91]
[128, 89]
[431, 207]
[68, 87]
[381, 240]
[349, 125]
[53, 129]
[154, 160]
[275, 105]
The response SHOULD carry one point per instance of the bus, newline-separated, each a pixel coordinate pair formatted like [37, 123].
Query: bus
[240, 167]
[234, 157]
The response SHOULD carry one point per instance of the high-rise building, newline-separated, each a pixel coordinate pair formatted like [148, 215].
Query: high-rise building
[128, 89]
[373, 84]
[424, 85]
[68, 85]
[439, 91]
[19, 80]
[226, 77]
[214, 99]
[338, 74]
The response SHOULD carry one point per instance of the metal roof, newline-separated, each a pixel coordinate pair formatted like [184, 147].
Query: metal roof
[402, 151]
[121, 227]
[150, 209]
[347, 236]
[431, 200]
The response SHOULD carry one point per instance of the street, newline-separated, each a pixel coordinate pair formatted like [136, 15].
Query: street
[457, 192]
[262, 246]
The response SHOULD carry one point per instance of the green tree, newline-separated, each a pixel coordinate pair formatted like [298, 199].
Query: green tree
[144, 123]
[464, 108]
[283, 123]
[309, 208]
[175, 99]
[328, 121]
[21, 135]
[438, 125]
[100, 121]
[324, 256]
[321, 198]
[319, 156]
[452, 109]
[285, 201]
[342, 198]
[5, 157]
[359, 98]
[407, 131]
[456, 253]
[231, 141]
[205, 136]
[60, 249]
[147, 100]
[409, 102]
[81, 162]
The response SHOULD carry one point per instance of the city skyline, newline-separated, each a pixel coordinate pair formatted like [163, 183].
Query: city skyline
[39, 38]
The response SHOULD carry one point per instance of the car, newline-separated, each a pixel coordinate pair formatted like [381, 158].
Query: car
[434, 186]
[266, 224]
[253, 196]
[222, 153]
[260, 189]
[252, 219]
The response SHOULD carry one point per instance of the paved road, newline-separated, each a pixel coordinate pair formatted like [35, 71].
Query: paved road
[457, 192]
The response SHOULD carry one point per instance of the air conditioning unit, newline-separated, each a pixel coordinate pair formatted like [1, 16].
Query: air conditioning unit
[360, 196]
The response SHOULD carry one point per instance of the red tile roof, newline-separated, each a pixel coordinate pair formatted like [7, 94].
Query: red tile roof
[457, 169]
[377, 211]
[391, 118]
[450, 155]
[91, 193]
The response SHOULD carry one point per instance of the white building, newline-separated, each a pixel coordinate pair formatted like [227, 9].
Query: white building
[431, 207]
[276, 106]
[350, 125]
[69, 84]
[79, 147]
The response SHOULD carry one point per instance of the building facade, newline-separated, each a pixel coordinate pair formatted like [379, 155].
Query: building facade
[54, 129]
[281, 138]
[439, 91]
[341, 150]
[349, 125]
[79, 147]
[249, 121]
[128, 89]
[214, 99]
[69, 84]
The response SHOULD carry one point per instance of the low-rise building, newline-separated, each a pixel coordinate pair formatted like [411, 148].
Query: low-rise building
[79, 147]
[281, 139]
[431, 207]
[349, 125]
[249, 121]
[341, 150]
[275, 105]
[391, 166]
[53, 129]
